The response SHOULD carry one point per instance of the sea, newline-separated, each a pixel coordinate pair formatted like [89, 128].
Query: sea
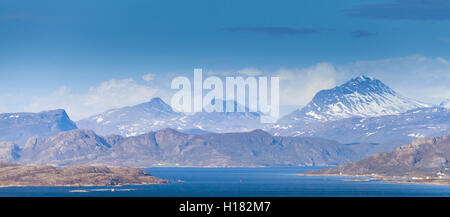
[240, 182]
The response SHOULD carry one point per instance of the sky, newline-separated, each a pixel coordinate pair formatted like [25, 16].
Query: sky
[91, 56]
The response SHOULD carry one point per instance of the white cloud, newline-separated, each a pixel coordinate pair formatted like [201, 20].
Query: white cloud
[298, 86]
[250, 71]
[148, 77]
[108, 95]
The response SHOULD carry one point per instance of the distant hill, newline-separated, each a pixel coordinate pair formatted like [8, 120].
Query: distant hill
[18, 127]
[171, 148]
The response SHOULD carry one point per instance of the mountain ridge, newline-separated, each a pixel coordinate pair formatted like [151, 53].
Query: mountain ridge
[18, 127]
[156, 115]
[168, 147]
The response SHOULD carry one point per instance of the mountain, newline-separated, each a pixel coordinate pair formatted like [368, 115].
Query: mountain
[133, 120]
[445, 104]
[168, 147]
[422, 161]
[67, 148]
[256, 148]
[225, 122]
[378, 134]
[156, 115]
[362, 96]
[18, 127]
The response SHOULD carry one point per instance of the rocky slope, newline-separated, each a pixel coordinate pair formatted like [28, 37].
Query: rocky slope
[14, 175]
[67, 148]
[171, 148]
[18, 127]
[422, 161]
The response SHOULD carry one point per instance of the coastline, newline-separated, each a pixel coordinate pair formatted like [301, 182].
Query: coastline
[386, 179]
[76, 185]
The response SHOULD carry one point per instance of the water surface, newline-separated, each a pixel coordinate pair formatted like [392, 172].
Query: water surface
[241, 182]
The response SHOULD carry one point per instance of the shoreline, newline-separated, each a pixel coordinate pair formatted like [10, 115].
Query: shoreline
[82, 186]
[385, 179]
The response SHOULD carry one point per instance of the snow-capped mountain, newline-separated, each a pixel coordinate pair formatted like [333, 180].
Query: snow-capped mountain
[223, 122]
[362, 96]
[133, 120]
[156, 115]
[445, 104]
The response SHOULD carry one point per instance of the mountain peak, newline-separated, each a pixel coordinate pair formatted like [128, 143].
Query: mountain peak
[364, 85]
[362, 96]
[363, 78]
[154, 105]
[157, 100]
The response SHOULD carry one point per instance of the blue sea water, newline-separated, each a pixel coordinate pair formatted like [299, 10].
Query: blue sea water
[241, 182]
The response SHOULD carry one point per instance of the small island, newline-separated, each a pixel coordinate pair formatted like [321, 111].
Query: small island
[15, 175]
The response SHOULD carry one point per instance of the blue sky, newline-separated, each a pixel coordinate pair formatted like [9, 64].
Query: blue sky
[54, 53]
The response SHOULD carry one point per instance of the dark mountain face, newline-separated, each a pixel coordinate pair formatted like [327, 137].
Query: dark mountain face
[18, 127]
[362, 97]
[421, 158]
[170, 148]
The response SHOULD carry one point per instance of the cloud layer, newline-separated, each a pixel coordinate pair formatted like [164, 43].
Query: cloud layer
[108, 95]
[148, 77]
[361, 33]
[298, 86]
